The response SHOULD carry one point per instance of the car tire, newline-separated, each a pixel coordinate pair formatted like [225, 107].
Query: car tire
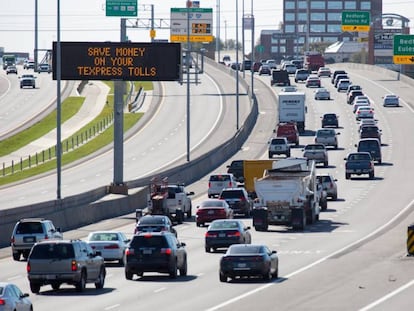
[223, 277]
[335, 197]
[325, 164]
[347, 176]
[80, 286]
[128, 275]
[371, 175]
[189, 212]
[267, 276]
[173, 270]
[183, 269]
[270, 155]
[55, 286]
[101, 279]
[16, 256]
[34, 287]
[276, 273]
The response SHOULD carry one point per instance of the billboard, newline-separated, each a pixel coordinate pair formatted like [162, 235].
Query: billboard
[119, 61]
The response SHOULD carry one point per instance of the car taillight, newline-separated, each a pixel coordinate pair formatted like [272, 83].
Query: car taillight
[233, 234]
[129, 251]
[28, 267]
[209, 184]
[210, 235]
[12, 240]
[2, 302]
[221, 212]
[230, 184]
[166, 251]
[74, 265]
[242, 198]
[46, 237]
[111, 246]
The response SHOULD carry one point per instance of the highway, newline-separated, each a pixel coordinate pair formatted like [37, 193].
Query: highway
[353, 258]
[20, 107]
[158, 144]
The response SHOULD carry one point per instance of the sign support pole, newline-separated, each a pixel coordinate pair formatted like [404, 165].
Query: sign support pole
[118, 186]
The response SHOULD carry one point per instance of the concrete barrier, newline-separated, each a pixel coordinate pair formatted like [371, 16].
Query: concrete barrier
[90, 207]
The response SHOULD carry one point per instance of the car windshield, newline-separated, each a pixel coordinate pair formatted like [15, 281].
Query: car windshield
[51, 251]
[224, 225]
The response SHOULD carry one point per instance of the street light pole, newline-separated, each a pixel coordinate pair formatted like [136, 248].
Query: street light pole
[58, 109]
[237, 64]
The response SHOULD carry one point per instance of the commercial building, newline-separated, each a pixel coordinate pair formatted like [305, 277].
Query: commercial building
[312, 21]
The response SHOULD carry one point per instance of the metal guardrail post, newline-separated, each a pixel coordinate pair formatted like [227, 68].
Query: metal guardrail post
[410, 240]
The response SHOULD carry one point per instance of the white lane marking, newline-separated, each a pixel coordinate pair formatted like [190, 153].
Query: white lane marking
[160, 290]
[112, 307]
[16, 277]
[317, 262]
[386, 297]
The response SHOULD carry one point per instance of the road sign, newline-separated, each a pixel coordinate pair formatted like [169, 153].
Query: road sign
[355, 21]
[121, 8]
[119, 61]
[403, 49]
[200, 23]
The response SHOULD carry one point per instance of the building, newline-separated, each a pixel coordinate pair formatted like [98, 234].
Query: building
[313, 21]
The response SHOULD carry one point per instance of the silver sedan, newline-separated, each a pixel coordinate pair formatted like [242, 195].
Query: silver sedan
[322, 93]
[111, 244]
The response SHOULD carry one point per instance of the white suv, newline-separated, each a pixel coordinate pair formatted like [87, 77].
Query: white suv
[29, 231]
[218, 182]
[279, 145]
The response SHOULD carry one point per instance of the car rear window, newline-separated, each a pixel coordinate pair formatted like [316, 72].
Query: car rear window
[104, 237]
[245, 249]
[151, 220]
[325, 133]
[212, 204]
[219, 177]
[231, 194]
[149, 240]
[224, 225]
[29, 228]
[50, 251]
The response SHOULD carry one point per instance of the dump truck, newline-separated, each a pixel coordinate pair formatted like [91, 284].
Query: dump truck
[254, 169]
[287, 194]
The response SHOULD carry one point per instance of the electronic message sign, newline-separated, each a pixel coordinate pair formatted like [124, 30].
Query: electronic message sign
[119, 61]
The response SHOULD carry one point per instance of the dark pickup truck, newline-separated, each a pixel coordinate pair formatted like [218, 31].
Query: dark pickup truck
[359, 163]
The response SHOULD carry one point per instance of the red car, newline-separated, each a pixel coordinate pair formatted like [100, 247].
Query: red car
[288, 130]
[212, 209]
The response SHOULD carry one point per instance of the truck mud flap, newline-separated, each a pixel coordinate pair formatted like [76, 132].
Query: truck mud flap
[260, 221]
[298, 219]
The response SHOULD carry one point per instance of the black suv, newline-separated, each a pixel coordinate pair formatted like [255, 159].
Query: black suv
[28, 231]
[330, 119]
[154, 223]
[236, 168]
[68, 261]
[155, 252]
[238, 200]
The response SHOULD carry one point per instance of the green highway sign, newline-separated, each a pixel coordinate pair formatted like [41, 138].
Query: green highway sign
[356, 21]
[121, 7]
[403, 49]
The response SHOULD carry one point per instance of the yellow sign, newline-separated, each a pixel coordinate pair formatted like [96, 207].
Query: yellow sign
[355, 28]
[403, 59]
[152, 33]
[193, 38]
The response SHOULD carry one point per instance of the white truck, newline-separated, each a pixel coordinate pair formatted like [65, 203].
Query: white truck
[169, 199]
[287, 195]
[292, 108]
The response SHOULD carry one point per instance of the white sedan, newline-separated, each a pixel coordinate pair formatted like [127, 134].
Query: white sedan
[364, 112]
[322, 93]
[391, 100]
[111, 244]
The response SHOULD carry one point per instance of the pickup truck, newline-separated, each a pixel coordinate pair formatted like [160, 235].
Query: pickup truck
[316, 152]
[359, 163]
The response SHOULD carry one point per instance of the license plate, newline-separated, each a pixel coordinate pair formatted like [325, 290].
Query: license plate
[222, 235]
[50, 277]
[147, 251]
[29, 239]
[241, 265]
[210, 212]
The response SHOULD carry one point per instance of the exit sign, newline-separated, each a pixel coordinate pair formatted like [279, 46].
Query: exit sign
[356, 21]
[403, 49]
[121, 8]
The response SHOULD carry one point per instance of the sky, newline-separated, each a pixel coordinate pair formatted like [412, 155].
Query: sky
[86, 20]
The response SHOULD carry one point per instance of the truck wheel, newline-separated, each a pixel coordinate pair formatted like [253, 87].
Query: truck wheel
[288, 155]
[35, 287]
[325, 164]
[99, 284]
[189, 212]
[128, 275]
[270, 155]
[16, 256]
[80, 286]
[347, 175]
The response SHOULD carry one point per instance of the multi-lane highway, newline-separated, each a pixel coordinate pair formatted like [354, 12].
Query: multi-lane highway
[353, 258]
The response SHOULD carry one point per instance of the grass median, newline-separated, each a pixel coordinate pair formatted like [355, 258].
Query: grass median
[70, 106]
